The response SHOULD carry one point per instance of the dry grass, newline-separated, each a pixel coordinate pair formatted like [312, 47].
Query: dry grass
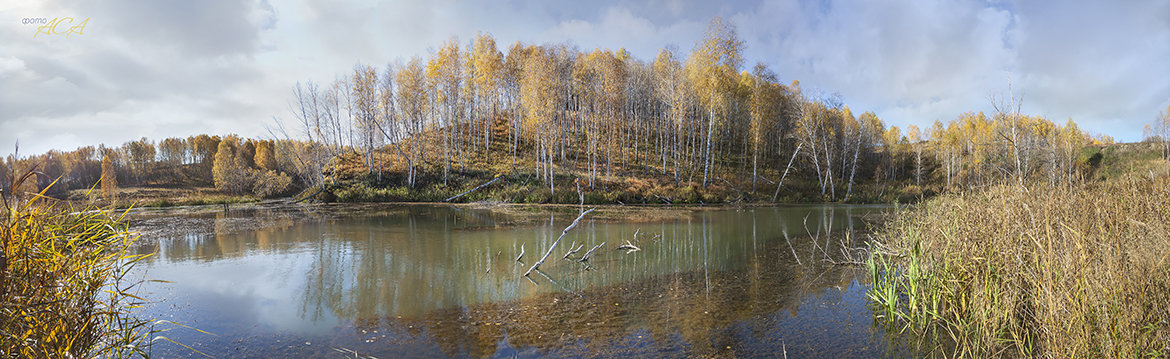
[65, 283]
[156, 197]
[1077, 272]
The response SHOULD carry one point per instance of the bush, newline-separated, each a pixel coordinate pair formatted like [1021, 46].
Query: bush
[271, 184]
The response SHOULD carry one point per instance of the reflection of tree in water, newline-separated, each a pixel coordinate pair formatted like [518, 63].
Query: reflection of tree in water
[323, 282]
[420, 276]
[686, 313]
[684, 290]
[211, 235]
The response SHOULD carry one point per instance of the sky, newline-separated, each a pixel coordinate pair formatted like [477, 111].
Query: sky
[174, 68]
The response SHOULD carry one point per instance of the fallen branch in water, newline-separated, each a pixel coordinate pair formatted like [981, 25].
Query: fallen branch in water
[843, 263]
[554, 245]
[473, 189]
[571, 250]
[521, 252]
[629, 247]
[585, 257]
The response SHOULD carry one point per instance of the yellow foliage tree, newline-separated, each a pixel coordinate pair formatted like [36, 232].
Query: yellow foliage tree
[265, 155]
[228, 172]
[109, 179]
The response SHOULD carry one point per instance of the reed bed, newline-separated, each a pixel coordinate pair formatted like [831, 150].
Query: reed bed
[1064, 272]
[66, 283]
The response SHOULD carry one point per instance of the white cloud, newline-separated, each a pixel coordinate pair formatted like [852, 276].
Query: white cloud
[162, 69]
[619, 28]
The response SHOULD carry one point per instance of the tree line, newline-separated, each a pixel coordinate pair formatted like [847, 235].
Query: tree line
[229, 163]
[700, 117]
[556, 111]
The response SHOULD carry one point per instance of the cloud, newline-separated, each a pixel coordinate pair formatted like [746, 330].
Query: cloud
[920, 61]
[177, 68]
[618, 27]
[136, 66]
[208, 28]
[1101, 62]
[897, 55]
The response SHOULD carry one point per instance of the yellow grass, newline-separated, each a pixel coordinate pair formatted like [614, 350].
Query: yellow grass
[66, 288]
[1068, 272]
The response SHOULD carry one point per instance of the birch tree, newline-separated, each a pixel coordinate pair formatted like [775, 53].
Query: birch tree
[712, 69]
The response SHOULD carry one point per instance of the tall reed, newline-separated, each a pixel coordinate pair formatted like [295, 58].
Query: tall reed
[1073, 272]
[66, 283]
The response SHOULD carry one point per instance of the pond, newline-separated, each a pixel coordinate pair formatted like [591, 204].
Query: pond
[444, 281]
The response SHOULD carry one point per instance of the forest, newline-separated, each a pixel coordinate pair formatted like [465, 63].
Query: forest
[681, 128]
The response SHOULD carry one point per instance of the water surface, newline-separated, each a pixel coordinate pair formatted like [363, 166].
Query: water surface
[443, 281]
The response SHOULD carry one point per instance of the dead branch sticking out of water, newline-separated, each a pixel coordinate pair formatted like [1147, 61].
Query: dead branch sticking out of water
[585, 258]
[850, 255]
[350, 353]
[554, 245]
[473, 189]
[629, 247]
[571, 250]
[521, 253]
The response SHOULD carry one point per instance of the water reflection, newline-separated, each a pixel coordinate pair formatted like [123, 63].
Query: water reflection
[444, 281]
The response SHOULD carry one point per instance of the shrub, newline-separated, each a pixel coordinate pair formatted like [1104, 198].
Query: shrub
[271, 184]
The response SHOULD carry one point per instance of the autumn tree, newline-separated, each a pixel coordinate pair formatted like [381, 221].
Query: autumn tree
[513, 75]
[540, 97]
[203, 149]
[366, 113]
[141, 155]
[864, 130]
[712, 69]
[230, 173]
[172, 151]
[764, 105]
[914, 137]
[1010, 130]
[485, 72]
[1161, 132]
[675, 98]
[388, 126]
[266, 156]
[109, 179]
[246, 153]
[443, 77]
[895, 151]
[413, 106]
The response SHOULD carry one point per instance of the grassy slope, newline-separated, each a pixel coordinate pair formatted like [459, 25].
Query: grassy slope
[626, 184]
[629, 185]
